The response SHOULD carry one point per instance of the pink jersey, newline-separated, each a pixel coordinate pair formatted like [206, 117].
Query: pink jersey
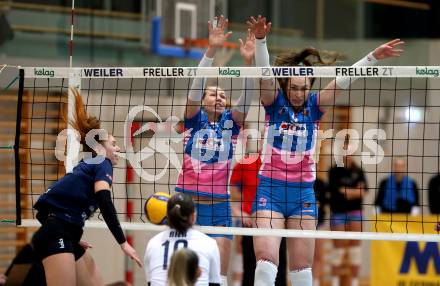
[208, 153]
[290, 140]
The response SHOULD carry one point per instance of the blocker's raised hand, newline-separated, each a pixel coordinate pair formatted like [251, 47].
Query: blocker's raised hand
[217, 35]
[247, 48]
[389, 50]
[259, 27]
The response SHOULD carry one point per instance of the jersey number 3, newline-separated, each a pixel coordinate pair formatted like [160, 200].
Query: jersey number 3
[166, 246]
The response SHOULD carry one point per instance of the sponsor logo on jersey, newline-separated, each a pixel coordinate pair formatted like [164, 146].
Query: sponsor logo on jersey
[215, 144]
[296, 129]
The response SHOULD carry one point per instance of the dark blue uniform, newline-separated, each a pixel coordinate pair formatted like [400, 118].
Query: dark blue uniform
[65, 206]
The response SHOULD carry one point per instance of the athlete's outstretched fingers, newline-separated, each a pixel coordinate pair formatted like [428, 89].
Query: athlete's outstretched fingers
[129, 250]
[209, 27]
[86, 245]
[395, 42]
[387, 50]
[259, 27]
[241, 43]
[268, 26]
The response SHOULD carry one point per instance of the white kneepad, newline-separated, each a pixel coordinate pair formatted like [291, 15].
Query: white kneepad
[354, 254]
[265, 273]
[301, 277]
[336, 256]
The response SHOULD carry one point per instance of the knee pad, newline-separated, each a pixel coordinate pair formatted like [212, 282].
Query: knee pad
[301, 277]
[265, 273]
[336, 256]
[354, 254]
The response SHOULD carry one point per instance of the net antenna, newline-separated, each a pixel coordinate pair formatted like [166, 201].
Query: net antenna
[72, 144]
[72, 13]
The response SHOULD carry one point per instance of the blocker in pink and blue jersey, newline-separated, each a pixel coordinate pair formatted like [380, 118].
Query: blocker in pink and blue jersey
[288, 170]
[207, 156]
[207, 163]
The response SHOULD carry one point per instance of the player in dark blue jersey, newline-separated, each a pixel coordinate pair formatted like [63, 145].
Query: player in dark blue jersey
[285, 196]
[68, 203]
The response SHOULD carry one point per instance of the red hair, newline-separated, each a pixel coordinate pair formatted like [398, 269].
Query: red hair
[83, 121]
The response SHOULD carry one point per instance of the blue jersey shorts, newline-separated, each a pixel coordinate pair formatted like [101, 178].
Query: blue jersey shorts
[217, 214]
[289, 199]
[337, 219]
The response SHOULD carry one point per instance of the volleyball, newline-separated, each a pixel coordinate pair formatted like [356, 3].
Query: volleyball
[156, 207]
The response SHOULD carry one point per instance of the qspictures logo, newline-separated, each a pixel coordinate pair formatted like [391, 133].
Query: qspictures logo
[207, 146]
[427, 71]
[44, 72]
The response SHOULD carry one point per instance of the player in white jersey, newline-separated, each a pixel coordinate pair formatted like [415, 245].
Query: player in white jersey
[285, 196]
[180, 218]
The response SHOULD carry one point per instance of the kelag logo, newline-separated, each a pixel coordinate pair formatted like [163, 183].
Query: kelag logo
[427, 71]
[229, 71]
[421, 257]
[43, 72]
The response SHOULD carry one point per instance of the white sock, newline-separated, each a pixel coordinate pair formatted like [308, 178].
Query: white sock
[354, 281]
[236, 283]
[224, 280]
[301, 277]
[335, 280]
[265, 273]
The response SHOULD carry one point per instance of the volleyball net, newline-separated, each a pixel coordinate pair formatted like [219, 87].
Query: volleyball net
[387, 113]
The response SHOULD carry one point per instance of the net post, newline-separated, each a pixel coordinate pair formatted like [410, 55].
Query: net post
[17, 149]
